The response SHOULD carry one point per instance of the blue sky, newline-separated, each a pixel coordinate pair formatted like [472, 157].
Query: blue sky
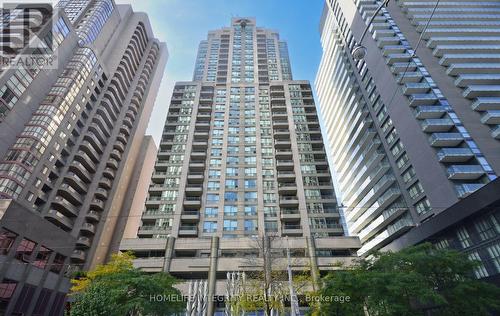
[182, 24]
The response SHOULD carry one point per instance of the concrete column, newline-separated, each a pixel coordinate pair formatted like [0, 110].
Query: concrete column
[169, 250]
[212, 275]
[311, 247]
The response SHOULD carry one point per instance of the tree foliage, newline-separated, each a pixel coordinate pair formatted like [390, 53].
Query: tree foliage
[117, 288]
[414, 281]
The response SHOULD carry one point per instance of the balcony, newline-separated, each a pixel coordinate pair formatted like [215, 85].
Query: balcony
[101, 193]
[283, 153]
[199, 154]
[473, 68]
[413, 76]
[193, 190]
[65, 207]
[429, 112]
[78, 255]
[80, 170]
[290, 213]
[75, 181]
[282, 143]
[416, 88]
[200, 145]
[284, 164]
[465, 80]
[445, 139]
[84, 241]
[454, 154]
[90, 150]
[496, 132]
[292, 230]
[192, 202]
[93, 216]
[109, 173]
[188, 231]
[287, 187]
[59, 220]
[105, 183]
[70, 194]
[398, 68]
[116, 154]
[195, 177]
[437, 125]
[423, 99]
[465, 189]
[486, 103]
[196, 166]
[97, 204]
[286, 175]
[465, 172]
[88, 228]
[190, 216]
[289, 201]
[112, 163]
[491, 117]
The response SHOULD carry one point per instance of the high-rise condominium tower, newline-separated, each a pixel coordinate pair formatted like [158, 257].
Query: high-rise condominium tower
[71, 136]
[241, 160]
[413, 127]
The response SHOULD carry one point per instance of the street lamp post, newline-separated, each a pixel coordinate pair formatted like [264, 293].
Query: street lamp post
[359, 51]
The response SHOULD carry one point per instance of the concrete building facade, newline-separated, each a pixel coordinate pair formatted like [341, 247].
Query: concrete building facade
[410, 126]
[241, 160]
[71, 137]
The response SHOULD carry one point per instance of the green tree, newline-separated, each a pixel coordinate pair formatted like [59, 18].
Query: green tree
[418, 280]
[117, 288]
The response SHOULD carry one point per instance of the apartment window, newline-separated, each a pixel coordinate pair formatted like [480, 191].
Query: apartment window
[250, 184]
[231, 184]
[250, 150]
[397, 148]
[250, 196]
[269, 198]
[214, 174]
[271, 226]
[231, 196]
[487, 227]
[58, 263]
[230, 210]
[212, 198]
[25, 249]
[415, 190]
[232, 150]
[231, 172]
[250, 224]
[7, 238]
[442, 244]
[217, 142]
[169, 195]
[7, 288]
[479, 270]
[213, 185]
[423, 206]
[209, 227]
[211, 211]
[42, 257]
[250, 172]
[230, 225]
[251, 210]
[402, 161]
[463, 237]
[268, 185]
[494, 252]
[409, 175]
[215, 162]
[232, 160]
[216, 152]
